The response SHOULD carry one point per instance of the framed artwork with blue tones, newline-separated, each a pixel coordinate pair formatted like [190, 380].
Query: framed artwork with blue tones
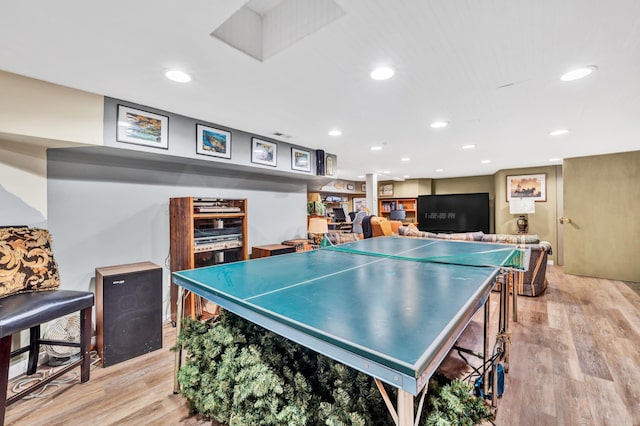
[263, 152]
[142, 128]
[300, 160]
[213, 142]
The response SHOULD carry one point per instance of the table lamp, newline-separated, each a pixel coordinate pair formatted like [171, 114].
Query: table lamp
[319, 227]
[522, 207]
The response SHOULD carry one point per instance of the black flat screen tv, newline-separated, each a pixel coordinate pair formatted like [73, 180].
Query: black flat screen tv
[454, 213]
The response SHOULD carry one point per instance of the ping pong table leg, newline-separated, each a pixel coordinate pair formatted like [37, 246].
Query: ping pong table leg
[515, 295]
[405, 408]
[178, 355]
[486, 355]
[506, 336]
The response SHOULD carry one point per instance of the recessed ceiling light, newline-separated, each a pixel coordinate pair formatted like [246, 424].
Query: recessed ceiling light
[439, 124]
[559, 132]
[405, 159]
[361, 177]
[578, 73]
[485, 161]
[383, 73]
[553, 160]
[439, 170]
[386, 172]
[335, 132]
[178, 76]
[468, 146]
[406, 176]
[376, 148]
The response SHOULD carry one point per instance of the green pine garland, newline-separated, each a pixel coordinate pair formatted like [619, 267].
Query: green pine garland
[240, 374]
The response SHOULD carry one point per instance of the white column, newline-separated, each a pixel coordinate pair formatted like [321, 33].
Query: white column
[372, 193]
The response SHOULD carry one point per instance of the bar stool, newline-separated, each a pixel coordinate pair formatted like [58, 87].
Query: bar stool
[28, 311]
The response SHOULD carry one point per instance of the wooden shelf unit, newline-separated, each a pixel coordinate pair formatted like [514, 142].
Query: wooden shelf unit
[191, 218]
[330, 205]
[410, 205]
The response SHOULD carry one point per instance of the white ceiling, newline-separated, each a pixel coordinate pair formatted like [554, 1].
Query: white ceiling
[491, 68]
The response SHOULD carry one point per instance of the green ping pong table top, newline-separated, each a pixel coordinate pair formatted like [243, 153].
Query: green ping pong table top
[391, 307]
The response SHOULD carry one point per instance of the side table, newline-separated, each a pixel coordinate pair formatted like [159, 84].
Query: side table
[271, 250]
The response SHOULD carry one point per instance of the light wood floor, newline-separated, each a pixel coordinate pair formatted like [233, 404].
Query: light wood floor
[574, 361]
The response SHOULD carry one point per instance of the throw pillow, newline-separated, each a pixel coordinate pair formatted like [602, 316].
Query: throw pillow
[26, 261]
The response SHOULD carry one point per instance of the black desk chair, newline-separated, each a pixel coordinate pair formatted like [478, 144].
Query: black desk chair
[30, 309]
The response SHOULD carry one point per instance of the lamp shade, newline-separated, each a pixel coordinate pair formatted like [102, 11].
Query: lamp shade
[522, 206]
[318, 225]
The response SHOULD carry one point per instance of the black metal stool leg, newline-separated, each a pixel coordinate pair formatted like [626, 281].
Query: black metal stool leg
[34, 349]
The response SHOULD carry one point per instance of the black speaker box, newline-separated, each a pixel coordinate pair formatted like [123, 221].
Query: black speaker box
[128, 311]
[319, 162]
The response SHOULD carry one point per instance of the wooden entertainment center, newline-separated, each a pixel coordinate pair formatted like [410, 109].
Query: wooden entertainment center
[204, 232]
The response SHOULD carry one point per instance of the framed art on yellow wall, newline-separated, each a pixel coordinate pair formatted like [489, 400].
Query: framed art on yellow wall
[527, 186]
[386, 190]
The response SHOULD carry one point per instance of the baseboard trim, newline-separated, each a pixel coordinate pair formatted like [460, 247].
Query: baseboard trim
[19, 368]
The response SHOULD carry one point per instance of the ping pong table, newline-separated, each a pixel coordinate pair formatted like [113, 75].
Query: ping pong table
[390, 307]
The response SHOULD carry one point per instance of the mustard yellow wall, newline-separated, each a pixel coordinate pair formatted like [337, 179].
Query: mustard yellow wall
[412, 188]
[409, 188]
[543, 222]
[464, 185]
[602, 198]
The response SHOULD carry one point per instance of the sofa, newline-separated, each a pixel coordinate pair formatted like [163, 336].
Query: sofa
[381, 226]
[533, 282]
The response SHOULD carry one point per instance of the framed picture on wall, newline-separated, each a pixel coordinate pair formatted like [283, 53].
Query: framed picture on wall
[213, 142]
[527, 186]
[330, 164]
[387, 189]
[359, 204]
[300, 160]
[263, 152]
[142, 128]
[363, 187]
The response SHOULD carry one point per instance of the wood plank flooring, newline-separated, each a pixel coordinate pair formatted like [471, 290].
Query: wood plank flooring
[575, 360]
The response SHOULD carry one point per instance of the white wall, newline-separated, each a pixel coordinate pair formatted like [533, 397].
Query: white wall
[23, 184]
[35, 115]
[104, 210]
[111, 210]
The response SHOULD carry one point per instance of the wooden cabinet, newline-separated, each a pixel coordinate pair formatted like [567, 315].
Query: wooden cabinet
[332, 201]
[204, 232]
[409, 205]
